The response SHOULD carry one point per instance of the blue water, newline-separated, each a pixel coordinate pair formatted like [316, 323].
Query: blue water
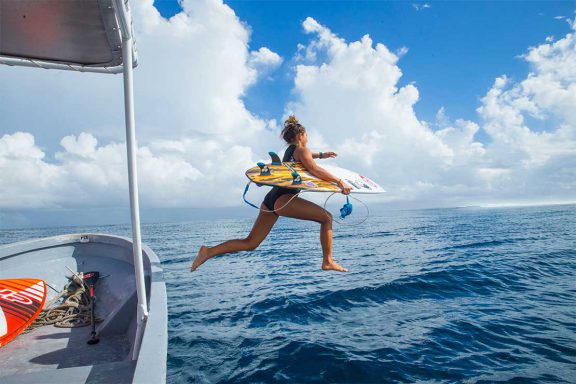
[451, 295]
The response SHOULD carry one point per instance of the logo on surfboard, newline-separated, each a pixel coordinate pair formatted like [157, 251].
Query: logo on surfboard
[21, 300]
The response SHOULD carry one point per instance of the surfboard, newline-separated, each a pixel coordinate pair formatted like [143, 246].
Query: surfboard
[293, 175]
[21, 300]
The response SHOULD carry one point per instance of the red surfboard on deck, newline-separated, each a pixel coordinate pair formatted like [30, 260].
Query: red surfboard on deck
[21, 300]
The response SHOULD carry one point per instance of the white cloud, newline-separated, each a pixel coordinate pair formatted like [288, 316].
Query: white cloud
[84, 145]
[351, 101]
[420, 7]
[26, 177]
[541, 161]
[86, 174]
[347, 93]
[264, 59]
[194, 132]
[196, 137]
[194, 70]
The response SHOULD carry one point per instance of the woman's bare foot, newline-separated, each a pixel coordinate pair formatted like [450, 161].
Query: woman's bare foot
[200, 258]
[333, 266]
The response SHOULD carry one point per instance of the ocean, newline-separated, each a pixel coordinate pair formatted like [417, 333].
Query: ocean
[474, 295]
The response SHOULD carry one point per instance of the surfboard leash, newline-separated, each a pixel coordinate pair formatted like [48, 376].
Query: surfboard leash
[266, 210]
[346, 210]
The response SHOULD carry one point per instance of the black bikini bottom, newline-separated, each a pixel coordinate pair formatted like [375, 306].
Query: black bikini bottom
[274, 194]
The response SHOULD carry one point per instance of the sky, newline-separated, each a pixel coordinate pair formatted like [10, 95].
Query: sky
[444, 103]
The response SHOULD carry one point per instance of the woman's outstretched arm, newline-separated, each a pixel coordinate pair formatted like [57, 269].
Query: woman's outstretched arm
[323, 155]
[305, 157]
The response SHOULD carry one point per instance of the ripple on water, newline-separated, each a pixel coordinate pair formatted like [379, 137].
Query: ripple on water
[449, 295]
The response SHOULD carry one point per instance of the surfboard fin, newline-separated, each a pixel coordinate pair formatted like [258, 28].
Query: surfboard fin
[264, 169]
[275, 158]
[296, 179]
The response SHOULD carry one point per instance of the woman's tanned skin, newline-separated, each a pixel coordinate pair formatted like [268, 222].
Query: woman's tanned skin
[297, 208]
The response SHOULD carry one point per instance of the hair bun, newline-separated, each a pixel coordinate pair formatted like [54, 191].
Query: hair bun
[292, 120]
[291, 129]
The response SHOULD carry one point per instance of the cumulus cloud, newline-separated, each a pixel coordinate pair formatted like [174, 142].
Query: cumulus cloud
[88, 174]
[264, 60]
[541, 161]
[26, 177]
[196, 135]
[194, 132]
[350, 100]
[195, 69]
[347, 93]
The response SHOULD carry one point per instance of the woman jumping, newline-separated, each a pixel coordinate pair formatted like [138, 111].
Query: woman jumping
[282, 202]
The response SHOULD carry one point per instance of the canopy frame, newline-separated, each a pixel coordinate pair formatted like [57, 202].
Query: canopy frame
[122, 29]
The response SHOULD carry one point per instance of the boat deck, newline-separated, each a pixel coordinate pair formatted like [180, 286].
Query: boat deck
[61, 355]
[35, 356]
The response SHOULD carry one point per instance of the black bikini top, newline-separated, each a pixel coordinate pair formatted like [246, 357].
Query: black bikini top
[289, 154]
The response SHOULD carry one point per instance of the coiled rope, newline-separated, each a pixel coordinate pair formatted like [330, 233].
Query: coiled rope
[72, 311]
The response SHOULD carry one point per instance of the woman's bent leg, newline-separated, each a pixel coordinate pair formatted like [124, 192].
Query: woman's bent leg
[261, 228]
[306, 210]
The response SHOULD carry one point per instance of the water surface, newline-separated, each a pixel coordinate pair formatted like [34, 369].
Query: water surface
[448, 295]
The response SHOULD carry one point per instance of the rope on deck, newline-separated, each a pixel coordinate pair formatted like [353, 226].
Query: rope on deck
[72, 311]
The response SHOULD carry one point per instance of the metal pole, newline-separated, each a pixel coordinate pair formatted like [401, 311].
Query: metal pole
[21, 62]
[131, 148]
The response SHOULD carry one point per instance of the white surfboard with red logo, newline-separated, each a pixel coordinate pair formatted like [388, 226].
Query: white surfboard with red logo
[21, 300]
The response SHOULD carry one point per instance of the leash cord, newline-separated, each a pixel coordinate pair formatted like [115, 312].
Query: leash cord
[298, 194]
[267, 210]
[342, 221]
